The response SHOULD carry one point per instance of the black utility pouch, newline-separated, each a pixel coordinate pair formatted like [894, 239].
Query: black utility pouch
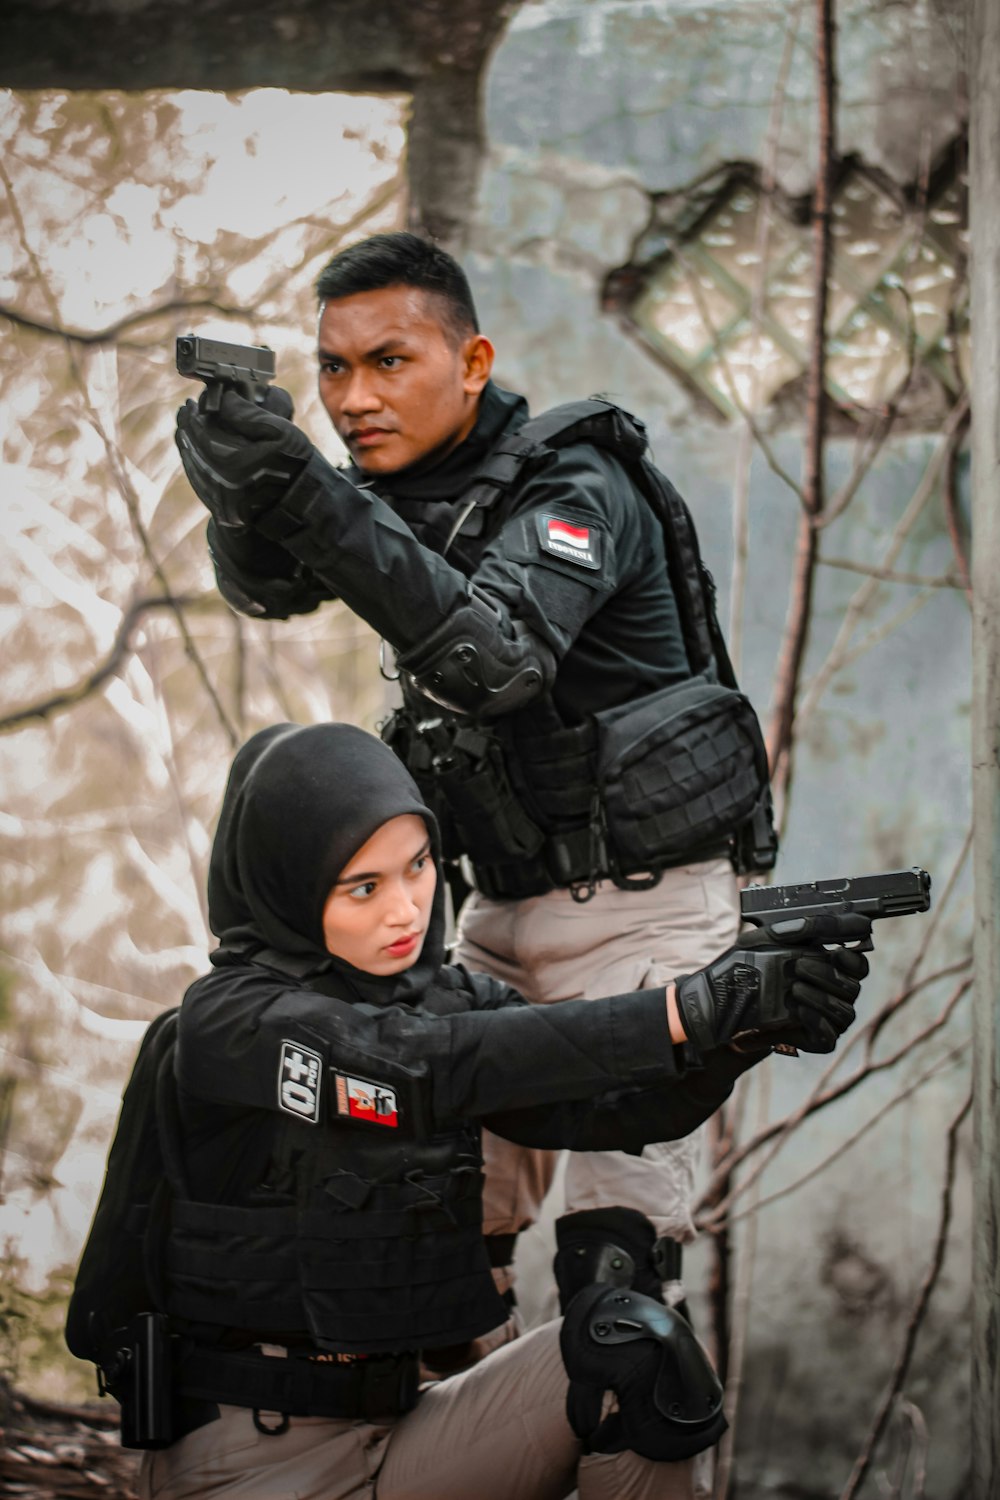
[492, 825]
[679, 771]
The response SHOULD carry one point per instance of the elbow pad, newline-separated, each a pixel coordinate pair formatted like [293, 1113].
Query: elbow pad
[471, 665]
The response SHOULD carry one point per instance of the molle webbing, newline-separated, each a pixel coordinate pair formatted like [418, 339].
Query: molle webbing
[410, 1273]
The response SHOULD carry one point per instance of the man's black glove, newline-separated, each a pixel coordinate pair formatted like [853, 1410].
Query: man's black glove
[258, 577]
[243, 460]
[778, 985]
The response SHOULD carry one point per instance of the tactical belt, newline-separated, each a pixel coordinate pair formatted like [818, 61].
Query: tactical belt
[368, 1387]
[567, 860]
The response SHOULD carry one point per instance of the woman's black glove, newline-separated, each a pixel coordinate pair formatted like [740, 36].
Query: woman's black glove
[778, 985]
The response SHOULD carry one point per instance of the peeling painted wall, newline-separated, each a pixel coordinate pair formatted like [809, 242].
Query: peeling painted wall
[592, 106]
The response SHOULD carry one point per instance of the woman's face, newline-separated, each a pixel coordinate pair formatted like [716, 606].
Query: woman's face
[376, 915]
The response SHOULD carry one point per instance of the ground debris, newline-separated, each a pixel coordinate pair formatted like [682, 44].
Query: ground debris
[50, 1451]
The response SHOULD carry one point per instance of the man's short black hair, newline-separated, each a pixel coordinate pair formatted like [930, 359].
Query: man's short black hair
[402, 259]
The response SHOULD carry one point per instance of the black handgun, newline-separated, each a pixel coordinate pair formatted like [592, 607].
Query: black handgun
[246, 368]
[895, 894]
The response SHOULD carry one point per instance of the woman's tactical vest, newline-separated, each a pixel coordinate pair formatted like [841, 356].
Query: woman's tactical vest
[675, 776]
[357, 1243]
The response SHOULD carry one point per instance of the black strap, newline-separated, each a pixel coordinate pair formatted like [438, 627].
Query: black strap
[567, 860]
[668, 1258]
[500, 1248]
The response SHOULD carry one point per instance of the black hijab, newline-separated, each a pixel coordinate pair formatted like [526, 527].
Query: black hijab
[299, 803]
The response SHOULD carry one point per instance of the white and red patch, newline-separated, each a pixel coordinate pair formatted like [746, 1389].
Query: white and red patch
[571, 541]
[364, 1099]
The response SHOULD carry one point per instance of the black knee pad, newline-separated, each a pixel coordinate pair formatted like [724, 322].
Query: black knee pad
[669, 1397]
[614, 1246]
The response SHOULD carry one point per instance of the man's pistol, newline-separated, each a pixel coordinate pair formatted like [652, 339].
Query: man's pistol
[246, 368]
[895, 894]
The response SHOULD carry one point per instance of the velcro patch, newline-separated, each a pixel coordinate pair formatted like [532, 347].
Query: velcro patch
[571, 541]
[362, 1099]
[300, 1079]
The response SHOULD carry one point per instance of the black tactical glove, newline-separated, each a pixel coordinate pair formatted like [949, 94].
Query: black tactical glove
[258, 577]
[778, 985]
[242, 461]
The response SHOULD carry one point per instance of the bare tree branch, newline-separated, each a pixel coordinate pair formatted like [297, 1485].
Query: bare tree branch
[881, 421]
[950, 437]
[893, 575]
[951, 516]
[712, 333]
[780, 1130]
[113, 332]
[842, 1147]
[742, 1301]
[902, 1364]
[930, 928]
[120, 649]
[121, 478]
[916, 1448]
[765, 216]
[793, 647]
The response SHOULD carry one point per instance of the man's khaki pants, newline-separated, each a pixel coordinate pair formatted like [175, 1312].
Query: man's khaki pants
[553, 948]
[496, 1432]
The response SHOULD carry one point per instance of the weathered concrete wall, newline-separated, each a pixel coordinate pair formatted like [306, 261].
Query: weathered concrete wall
[433, 50]
[591, 107]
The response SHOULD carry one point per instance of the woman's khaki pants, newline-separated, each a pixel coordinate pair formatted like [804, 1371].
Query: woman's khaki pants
[496, 1432]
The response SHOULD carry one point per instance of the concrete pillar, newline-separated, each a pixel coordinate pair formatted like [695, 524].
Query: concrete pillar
[984, 71]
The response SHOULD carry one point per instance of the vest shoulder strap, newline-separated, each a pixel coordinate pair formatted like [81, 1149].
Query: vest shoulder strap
[600, 422]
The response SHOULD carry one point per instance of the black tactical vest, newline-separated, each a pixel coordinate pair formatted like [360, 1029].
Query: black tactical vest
[534, 803]
[370, 1246]
[352, 1242]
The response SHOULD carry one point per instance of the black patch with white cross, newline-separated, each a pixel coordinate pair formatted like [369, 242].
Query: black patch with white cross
[300, 1079]
[570, 541]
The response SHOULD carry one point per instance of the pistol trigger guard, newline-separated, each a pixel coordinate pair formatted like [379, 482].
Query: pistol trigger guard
[213, 395]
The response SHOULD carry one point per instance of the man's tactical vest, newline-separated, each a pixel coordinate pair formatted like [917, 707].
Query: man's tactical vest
[675, 776]
[358, 1244]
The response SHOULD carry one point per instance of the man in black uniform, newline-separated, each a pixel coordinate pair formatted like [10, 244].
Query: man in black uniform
[516, 617]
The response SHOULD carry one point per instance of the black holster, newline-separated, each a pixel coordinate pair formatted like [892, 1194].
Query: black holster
[136, 1371]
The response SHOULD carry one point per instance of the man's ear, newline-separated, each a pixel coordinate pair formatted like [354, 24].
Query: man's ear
[477, 360]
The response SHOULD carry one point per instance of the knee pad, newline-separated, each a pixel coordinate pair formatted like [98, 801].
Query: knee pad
[669, 1397]
[614, 1246]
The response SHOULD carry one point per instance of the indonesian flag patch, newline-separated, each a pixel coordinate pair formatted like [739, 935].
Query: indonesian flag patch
[362, 1099]
[571, 541]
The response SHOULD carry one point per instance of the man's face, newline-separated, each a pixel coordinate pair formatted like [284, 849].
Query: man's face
[398, 384]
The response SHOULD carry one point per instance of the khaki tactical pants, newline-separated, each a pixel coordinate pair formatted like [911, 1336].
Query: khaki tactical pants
[553, 948]
[496, 1432]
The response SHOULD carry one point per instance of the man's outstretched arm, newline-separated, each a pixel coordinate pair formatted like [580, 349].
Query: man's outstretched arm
[260, 476]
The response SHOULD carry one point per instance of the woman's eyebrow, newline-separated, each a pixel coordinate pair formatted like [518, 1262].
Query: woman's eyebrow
[356, 877]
